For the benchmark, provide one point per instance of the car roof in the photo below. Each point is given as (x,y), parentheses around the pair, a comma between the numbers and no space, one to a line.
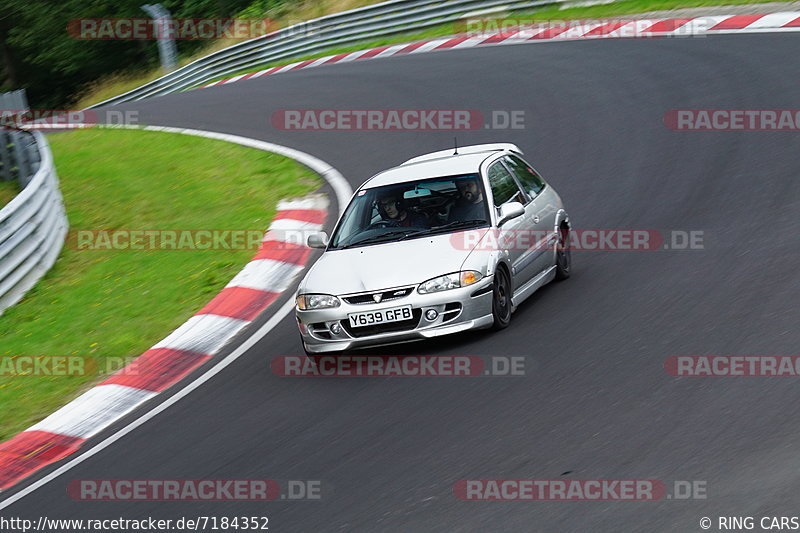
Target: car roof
(441,163)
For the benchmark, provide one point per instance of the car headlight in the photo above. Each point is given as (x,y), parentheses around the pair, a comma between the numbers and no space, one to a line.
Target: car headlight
(450,281)
(316,301)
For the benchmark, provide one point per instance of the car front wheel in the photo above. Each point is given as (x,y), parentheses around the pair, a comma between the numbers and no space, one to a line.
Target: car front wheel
(501,299)
(563,255)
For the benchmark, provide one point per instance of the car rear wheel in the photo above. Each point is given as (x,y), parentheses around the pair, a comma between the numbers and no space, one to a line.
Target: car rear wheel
(501,299)
(563,254)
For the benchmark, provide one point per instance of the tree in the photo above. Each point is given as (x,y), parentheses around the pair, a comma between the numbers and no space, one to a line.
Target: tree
(39,54)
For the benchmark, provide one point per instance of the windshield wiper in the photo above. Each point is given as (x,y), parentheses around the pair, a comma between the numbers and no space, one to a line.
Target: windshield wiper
(414,233)
(376,238)
(457,224)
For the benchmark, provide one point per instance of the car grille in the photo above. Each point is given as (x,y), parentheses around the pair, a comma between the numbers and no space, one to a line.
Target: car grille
(385,296)
(389,327)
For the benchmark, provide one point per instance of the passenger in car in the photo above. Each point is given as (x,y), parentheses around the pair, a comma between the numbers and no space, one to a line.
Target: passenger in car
(470,204)
(393,209)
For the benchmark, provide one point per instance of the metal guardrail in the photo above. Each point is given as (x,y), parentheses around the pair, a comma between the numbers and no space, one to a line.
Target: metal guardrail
(33,225)
(341,29)
(17,158)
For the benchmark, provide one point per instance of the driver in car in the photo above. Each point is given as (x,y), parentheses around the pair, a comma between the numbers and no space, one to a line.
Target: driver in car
(469,205)
(393,209)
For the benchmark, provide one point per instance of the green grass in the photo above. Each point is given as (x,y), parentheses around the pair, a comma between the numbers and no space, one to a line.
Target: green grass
(625,7)
(8,190)
(117,304)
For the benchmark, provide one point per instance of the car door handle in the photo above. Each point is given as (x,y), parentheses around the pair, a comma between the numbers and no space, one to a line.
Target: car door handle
(535,219)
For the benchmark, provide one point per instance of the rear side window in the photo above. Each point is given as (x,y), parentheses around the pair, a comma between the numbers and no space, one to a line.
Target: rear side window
(527,177)
(504,188)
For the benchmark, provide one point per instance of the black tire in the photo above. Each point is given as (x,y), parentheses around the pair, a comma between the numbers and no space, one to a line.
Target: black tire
(563,255)
(501,299)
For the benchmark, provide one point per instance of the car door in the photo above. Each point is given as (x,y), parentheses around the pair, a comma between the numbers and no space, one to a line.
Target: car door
(514,235)
(540,210)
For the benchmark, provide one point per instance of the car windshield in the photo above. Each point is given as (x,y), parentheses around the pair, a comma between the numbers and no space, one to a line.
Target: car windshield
(412,209)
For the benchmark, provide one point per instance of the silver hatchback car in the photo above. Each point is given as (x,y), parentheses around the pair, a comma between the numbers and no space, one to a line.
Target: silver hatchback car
(445,242)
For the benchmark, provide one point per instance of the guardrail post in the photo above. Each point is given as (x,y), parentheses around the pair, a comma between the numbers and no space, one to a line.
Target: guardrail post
(14,144)
(34,156)
(20,159)
(167,50)
(30,154)
(5,156)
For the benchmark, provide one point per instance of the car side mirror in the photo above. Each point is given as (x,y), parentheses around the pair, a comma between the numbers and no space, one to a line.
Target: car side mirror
(318,240)
(509,211)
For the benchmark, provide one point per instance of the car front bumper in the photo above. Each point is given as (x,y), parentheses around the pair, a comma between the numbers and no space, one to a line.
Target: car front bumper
(457,310)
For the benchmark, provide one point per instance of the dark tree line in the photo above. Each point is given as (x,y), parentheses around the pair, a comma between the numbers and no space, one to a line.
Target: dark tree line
(37,52)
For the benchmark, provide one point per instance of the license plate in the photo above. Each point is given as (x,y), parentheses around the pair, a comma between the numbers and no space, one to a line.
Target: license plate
(383,316)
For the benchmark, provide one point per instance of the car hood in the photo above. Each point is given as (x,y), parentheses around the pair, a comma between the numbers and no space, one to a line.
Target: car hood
(383,266)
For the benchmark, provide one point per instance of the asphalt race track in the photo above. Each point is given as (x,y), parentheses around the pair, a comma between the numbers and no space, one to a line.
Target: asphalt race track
(596,401)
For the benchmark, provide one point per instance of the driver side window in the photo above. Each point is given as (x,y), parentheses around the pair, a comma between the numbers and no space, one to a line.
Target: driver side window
(530,181)
(504,187)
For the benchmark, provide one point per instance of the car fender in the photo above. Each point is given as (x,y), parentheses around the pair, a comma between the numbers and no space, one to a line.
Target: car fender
(486,256)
